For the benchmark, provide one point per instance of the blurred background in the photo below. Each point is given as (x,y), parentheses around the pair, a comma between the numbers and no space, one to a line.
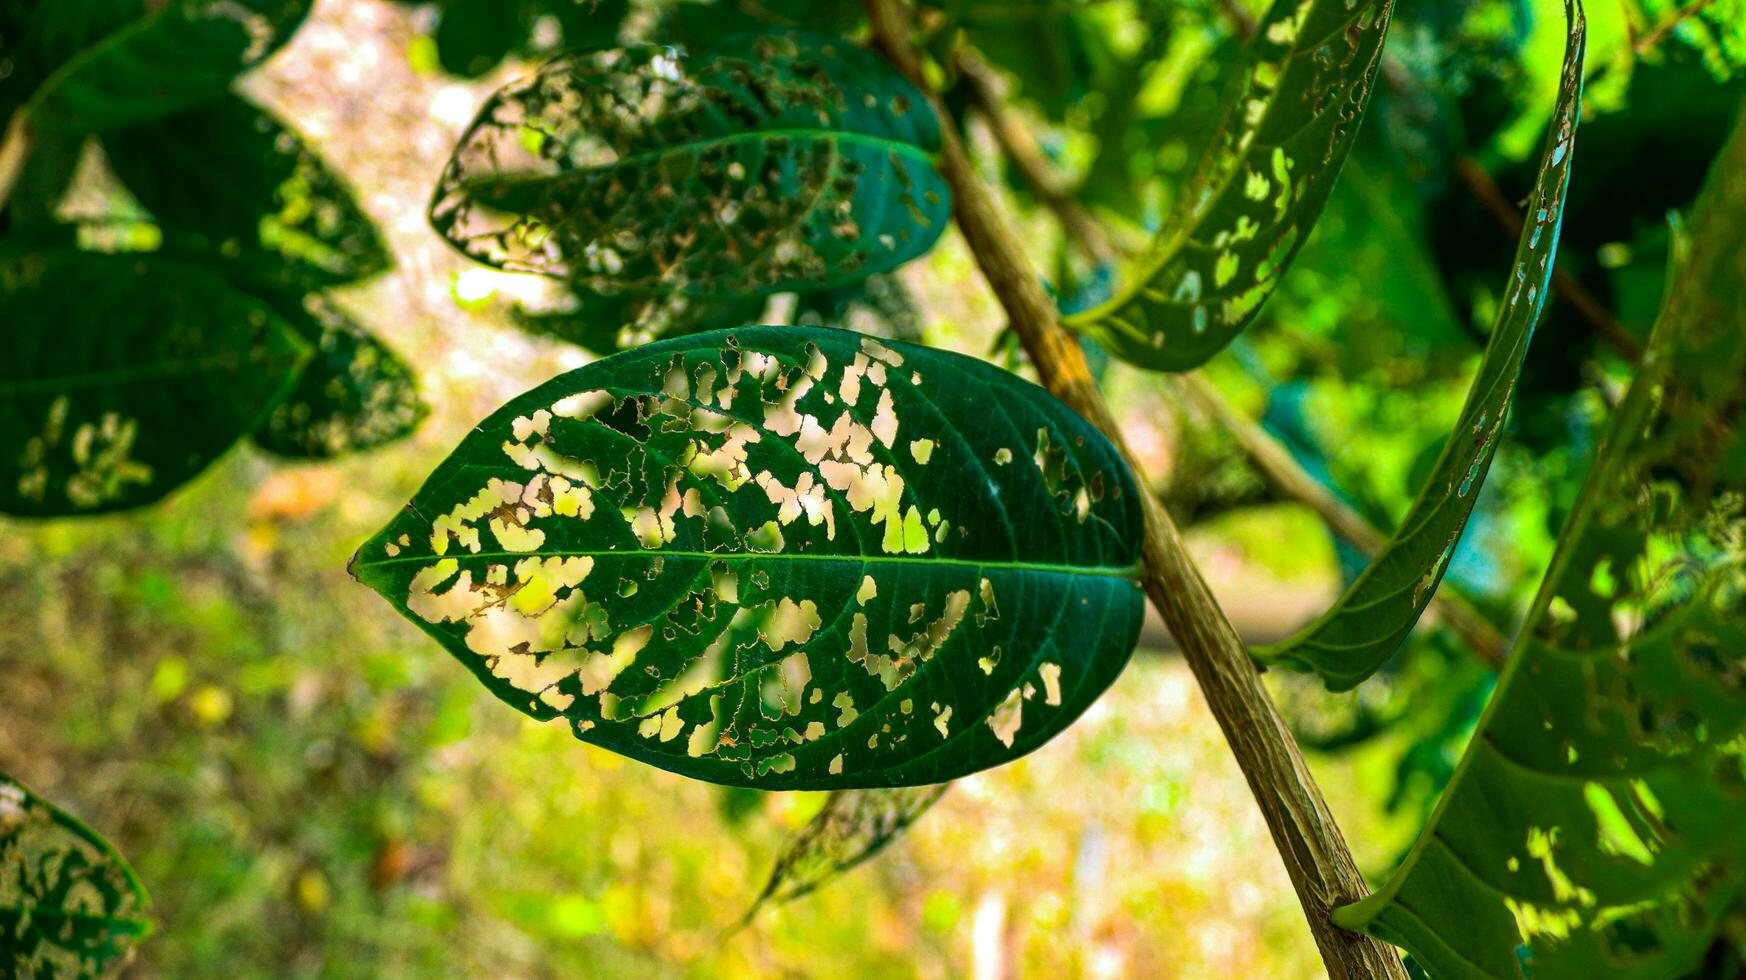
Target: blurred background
(310,787)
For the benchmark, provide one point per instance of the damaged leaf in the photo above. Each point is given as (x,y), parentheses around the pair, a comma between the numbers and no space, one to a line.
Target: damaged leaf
(785,558)
(854,826)
(228,170)
(788,161)
(124,376)
(69,904)
(1593,827)
(1258,191)
(353,394)
(1371,620)
(100,64)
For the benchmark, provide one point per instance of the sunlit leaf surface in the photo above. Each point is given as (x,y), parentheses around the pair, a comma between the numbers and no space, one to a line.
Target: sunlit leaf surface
(99,64)
(781,557)
(69,905)
(1373,617)
(353,394)
(1258,191)
(1594,826)
(123,376)
(854,826)
(231,172)
(778,162)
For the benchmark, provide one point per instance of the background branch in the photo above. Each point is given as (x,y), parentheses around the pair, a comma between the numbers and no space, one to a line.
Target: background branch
(1315,853)
(14,151)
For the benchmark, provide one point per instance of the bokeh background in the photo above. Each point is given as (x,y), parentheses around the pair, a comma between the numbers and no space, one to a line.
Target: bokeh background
(309,787)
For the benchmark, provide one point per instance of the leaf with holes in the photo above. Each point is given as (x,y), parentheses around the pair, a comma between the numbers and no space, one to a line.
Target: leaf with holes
(854,826)
(100,64)
(353,394)
(69,904)
(1369,622)
(124,376)
(1258,191)
(231,172)
(788,161)
(1593,827)
(785,558)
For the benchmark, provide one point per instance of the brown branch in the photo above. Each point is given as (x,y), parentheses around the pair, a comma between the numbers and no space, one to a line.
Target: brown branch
(1019,147)
(1287,478)
(1310,843)
(1509,218)
(14,152)
(1648,41)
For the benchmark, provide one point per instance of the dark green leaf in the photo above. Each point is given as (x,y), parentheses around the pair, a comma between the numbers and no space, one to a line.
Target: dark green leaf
(69,904)
(100,64)
(1373,617)
(354,394)
(781,557)
(124,376)
(231,172)
(789,161)
(854,826)
(1258,191)
(1593,827)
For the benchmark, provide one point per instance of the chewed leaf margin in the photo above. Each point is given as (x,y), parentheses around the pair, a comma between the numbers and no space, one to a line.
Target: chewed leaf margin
(785,558)
(1372,618)
(1258,191)
(758,165)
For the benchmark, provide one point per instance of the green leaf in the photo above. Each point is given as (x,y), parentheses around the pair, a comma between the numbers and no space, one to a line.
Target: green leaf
(781,557)
(854,826)
(69,904)
(1593,827)
(1369,622)
(1258,191)
(789,161)
(124,376)
(472,36)
(353,394)
(108,63)
(230,171)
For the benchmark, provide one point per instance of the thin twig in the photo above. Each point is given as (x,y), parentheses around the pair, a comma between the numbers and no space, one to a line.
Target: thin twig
(1310,843)
(1019,147)
(14,151)
(1648,41)
(1283,473)
(1509,218)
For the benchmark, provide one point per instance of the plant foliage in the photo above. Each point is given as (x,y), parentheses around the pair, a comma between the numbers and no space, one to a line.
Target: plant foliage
(70,906)
(784,558)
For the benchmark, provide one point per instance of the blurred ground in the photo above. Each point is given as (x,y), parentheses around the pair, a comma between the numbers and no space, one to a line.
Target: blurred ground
(310,788)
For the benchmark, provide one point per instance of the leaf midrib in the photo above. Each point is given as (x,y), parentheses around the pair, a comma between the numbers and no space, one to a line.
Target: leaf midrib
(1130,572)
(734,139)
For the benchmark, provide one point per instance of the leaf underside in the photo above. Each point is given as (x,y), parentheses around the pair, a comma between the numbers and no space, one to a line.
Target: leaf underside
(1373,618)
(353,394)
(785,558)
(108,63)
(124,376)
(1258,191)
(69,904)
(787,161)
(854,826)
(1593,827)
(231,172)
